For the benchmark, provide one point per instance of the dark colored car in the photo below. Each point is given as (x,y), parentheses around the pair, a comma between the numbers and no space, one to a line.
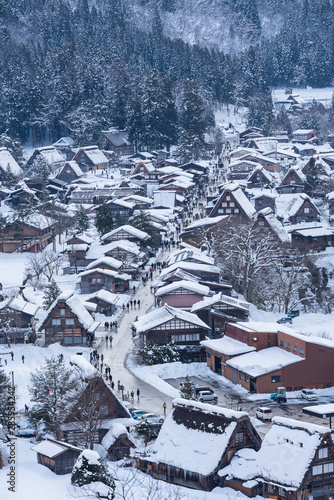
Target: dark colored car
(283,321)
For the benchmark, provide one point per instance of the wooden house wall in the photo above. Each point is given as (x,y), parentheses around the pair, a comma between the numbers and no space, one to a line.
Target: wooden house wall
(63,333)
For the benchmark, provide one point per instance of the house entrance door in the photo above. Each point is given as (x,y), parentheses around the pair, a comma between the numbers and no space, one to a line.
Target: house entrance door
(234,376)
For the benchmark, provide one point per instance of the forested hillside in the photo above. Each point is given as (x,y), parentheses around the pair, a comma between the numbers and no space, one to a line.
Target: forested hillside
(76,67)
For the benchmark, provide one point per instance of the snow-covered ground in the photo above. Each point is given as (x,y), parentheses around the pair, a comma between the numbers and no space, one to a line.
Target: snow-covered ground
(323,95)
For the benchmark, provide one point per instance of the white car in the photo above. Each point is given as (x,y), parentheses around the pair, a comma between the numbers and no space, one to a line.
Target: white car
(264,413)
(309,395)
(207,396)
(152,417)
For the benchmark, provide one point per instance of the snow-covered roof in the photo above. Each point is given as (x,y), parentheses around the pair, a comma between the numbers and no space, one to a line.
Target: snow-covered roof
(38,221)
(82,237)
(116,430)
(321,409)
(164,198)
(191,448)
(121,203)
(107,261)
(6,160)
(116,299)
(275,224)
(185,254)
(95,155)
(315,231)
(303,131)
(74,166)
(265,361)
(263,326)
(137,198)
(53,448)
(206,221)
(228,346)
(133,231)
(187,285)
(19,304)
(191,267)
(50,154)
(220,298)
(164,314)
(264,172)
(288,205)
(285,455)
(125,245)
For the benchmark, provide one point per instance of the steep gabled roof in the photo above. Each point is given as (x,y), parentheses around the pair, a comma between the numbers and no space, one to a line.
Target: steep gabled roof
(133,231)
(164,314)
(195,436)
(191,286)
(290,438)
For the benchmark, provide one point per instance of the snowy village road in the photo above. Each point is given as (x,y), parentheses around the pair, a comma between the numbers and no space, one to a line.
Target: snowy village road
(115,356)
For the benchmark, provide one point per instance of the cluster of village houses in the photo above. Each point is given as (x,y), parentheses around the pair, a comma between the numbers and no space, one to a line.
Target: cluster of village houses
(261,180)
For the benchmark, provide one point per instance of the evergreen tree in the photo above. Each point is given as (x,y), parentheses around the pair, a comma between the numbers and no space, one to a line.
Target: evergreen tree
(81,219)
(191,142)
(52,291)
(4,394)
(8,178)
(104,221)
(53,392)
(141,221)
(188,389)
(312,177)
(91,468)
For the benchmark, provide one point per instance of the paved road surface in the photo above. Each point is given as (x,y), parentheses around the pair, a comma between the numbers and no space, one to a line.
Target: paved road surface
(115,356)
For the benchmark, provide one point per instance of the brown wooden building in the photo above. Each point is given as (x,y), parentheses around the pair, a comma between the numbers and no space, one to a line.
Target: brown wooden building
(195,442)
(57,456)
(68,322)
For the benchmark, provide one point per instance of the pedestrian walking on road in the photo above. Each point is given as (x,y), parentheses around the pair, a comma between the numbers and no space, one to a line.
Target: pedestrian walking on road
(134,303)
(164,407)
(138,394)
(102,358)
(12,356)
(112,385)
(132,396)
(138,302)
(110,338)
(131,302)
(123,307)
(128,305)
(23,359)
(134,289)
(106,338)
(116,325)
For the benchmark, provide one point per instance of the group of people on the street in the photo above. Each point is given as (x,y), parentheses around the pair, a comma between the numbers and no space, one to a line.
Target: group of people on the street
(110,325)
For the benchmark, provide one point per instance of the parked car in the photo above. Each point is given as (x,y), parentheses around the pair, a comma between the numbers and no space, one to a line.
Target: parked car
(264,413)
(283,321)
(309,394)
(138,413)
(293,314)
(152,417)
(199,389)
(207,396)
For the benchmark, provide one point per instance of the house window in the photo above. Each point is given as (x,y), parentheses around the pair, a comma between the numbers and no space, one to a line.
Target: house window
(281,343)
(301,350)
(104,409)
(67,340)
(316,470)
(328,468)
(281,492)
(77,340)
(241,376)
(224,204)
(69,321)
(236,210)
(228,210)
(228,198)
(56,321)
(261,223)
(246,378)
(62,312)
(270,488)
(294,348)
(239,438)
(208,354)
(287,345)
(275,379)
(232,204)
(306,210)
(323,453)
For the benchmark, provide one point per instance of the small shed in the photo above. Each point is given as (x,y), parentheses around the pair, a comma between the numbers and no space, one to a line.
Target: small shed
(57,456)
(117,442)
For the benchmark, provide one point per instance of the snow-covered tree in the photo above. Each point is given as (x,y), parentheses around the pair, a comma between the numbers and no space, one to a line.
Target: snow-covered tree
(187,390)
(245,253)
(4,387)
(153,354)
(52,291)
(53,390)
(91,468)
(104,221)
(81,219)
